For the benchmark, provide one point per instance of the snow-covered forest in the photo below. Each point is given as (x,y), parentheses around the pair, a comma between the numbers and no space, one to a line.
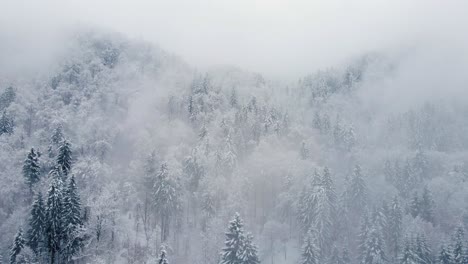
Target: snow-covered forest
(114,150)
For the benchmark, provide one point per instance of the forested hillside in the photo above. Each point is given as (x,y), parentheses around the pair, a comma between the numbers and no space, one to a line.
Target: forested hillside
(117,151)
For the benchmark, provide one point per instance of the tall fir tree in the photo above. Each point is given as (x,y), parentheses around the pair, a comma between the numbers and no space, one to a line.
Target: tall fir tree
(163,256)
(409,256)
(54,217)
(72,220)
(426,207)
(64,157)
(32,169)
(248,251)
(18,245)
(458,249)
(357,192)
(6,124)
(234,240)
(423,250)
(37,225)
(166,199)
(394,230)
(444,256)
(309,253)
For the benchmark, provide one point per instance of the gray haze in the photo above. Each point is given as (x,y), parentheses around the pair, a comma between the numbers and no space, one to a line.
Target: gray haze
(285,39)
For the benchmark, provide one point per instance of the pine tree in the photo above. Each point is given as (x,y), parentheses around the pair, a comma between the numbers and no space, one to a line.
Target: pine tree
(37,225)
(309,253)
(357,192)
(374,248)
(426,205)
(162,256)
(304,151)
(64,157)
(444,256)
(395,227)
(6,124)
(422,250)
(335,257)
(32,169)
(346,259)
(72,220)
(166,199)
(18,245)
(409,256)
(7,97)
(234,240)
(248,251)
(458,247)
(54,218)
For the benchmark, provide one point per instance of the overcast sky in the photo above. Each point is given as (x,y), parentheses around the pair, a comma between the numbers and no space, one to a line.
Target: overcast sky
(275,37)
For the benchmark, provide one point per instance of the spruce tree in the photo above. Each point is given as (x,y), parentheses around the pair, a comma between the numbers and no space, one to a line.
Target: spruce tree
(309,253)
(422,249)
(162,256)
(414,206)
(458,247)
(409,256)
(72,220)
(234,242)
(427,204)
(18,245)
(32,169)
(166,199)
(64,157)
(248,251)
(54,217)
(37,225)
(444,256)
(6,124)
(357,191)
(395,227)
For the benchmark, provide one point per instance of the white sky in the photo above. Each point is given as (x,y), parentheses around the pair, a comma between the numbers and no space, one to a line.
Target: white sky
(287,38)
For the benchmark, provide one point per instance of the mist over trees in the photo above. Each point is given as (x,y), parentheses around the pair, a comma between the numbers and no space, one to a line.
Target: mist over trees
(122,153)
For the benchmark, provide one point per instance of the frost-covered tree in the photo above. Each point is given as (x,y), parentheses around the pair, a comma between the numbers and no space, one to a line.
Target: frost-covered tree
(444,256)
(18,245)
(7,124)
(32,169)
(231,253)
(458,249)
(166,199)
(309,254)
(422,249)
(35,236)
(7,97)
(394,227)
(248,253)
(163,256)
(54,218)
(409,256)
(356,192)
(72,220)
(64,157)
(426,206)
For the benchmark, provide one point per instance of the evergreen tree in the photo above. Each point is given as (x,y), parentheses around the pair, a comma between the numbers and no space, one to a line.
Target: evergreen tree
(335,257)
(394,227)
(7,97)
(72,220)
(414,206)
(458,247)
(162,256)
(444,256)
(37,224)
(309,253)
(422,250)
(234,240)
(357,192)
(54,217)
(6,124)
(248,251)
(18,245)
(64,157)
(32,169)
(426,206)
(166,199)
(374,248)
(409,256)
(304,152)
